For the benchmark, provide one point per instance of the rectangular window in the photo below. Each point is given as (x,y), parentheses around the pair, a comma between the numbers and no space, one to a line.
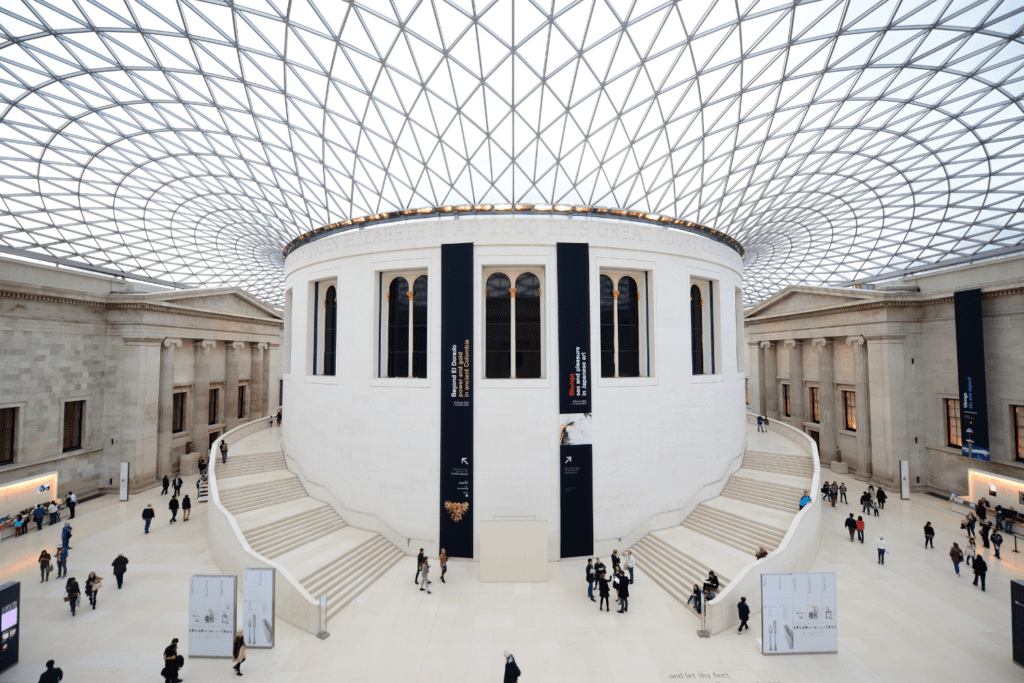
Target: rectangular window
(953,423)
(74,411)
(402,326)
(850,401)
(323,340)
(1018,431)
(178,413)
(746,387)
(280,392)
(785,400)
(8,423)
(214,395)
(815,405)
(624,316)
(705,327)
(241,402)
(513,323)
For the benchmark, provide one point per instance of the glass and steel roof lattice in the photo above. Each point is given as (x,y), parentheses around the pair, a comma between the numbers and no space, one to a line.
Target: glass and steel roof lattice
(187,141)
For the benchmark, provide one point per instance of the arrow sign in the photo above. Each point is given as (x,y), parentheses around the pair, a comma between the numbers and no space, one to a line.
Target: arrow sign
(465,461)
(568,459)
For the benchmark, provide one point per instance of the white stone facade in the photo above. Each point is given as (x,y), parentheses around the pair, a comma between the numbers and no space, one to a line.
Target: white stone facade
(69,336)
(374,441)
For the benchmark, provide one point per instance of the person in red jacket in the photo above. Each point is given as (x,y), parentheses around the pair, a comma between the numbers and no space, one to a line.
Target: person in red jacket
(860,529)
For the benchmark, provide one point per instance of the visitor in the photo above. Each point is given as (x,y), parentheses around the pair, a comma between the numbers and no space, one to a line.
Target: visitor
(173,507)
(171,663)
(512,672)
(72,501)
(1009,517)
(71,593)
(860,529)
(997,540)
(630,564)
(615,560)
(709,594)
(54,511)
(623,593)
(603,592)
(999,517)
(443,561)
(957,556)
(865,501)
(44,566)
(971,521)
(851,526)
(842,493)
(695,598)
(766,423)
(166,484)
(929,535)
(19,525)
(804,500)
(62,561)
(761,553)
(425,581)
(599,567)
(615,582)
(120,565)
(38,514)
(744,610)
(711,581)
(52,674)
(986,529)
(972,551)
(981,508)
(65,536)
(875,508)
(238,653)
(177,485)
(148,513)
(826,488)
(224,451)
(980,569)
(92,588)
(880,544)
(590,579)
(186,508)
(833,494)
(202,466)
(279,418)
(419,567)
(760,424)
(880,497)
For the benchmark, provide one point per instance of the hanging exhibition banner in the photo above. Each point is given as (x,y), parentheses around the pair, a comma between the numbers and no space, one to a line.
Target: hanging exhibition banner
(799,613)
(211,615)
(574,404)
(457,399)
(258,606)
(970,363)
(10,624)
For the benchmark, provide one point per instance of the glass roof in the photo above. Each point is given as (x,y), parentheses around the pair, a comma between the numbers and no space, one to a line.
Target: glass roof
(187,142)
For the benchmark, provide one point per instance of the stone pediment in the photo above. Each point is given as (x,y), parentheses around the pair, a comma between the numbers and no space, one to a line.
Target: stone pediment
(228,300)
(800,299)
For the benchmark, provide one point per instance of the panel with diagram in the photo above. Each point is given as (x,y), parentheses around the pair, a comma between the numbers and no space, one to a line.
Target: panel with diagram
(798,613)
(211,615)
(258,607)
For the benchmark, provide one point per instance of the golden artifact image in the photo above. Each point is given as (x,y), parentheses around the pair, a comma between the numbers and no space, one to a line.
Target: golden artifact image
(456,510)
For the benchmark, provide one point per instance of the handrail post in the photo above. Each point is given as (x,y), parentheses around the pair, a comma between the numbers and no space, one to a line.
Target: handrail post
(323,634)
(703,630)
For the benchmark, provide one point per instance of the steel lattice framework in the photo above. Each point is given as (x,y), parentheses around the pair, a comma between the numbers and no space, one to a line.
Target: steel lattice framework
(187,142)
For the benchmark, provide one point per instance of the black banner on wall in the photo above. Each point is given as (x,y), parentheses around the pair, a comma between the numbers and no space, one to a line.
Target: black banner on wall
(457,399)
(970,362)
(575,450)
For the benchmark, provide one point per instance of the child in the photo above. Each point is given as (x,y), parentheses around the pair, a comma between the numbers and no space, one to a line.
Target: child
(875,508)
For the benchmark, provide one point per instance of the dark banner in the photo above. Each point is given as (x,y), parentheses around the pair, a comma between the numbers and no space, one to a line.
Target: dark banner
(575,450)
(457,399)
(970,362)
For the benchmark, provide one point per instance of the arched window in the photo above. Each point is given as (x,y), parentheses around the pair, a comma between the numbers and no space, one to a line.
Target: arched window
(628,305)
(498,321)
(419,327)
(527,328)
(697,330)
(398,328)
(607,327)
(330,330)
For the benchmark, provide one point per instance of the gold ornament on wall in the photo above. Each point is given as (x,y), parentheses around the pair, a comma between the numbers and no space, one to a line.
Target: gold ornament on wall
(456,510)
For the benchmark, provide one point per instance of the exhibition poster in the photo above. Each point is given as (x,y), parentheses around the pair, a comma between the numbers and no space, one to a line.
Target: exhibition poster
(799,613)
(258,607)
(211,610)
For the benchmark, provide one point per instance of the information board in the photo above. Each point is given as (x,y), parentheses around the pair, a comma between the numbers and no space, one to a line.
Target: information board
(211,609)
(10,610)
(258,607)
(799,613)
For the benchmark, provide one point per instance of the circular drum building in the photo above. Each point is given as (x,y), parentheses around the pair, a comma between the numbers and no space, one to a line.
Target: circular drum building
(578,366)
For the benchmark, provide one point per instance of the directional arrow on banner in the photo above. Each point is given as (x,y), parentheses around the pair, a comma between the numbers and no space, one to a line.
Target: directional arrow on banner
(568,459)
(465,462)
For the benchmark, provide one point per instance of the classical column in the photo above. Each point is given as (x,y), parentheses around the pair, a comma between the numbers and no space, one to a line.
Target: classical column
(257,381)
(512,333)
(201,394)
(163,454)
(270,379)
(887,389)
(231,384)
(140,409)
(826,399)
(771,379)
(755,358)
(863,403)
(796,382)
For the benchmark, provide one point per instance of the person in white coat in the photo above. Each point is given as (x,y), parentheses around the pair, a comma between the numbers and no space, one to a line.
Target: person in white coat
(880,544)
(630,564)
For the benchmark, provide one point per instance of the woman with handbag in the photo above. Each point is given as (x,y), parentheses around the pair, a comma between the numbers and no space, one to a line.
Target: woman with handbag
(443,560)
(957,556)
(73,594)
(44,566)
(238,653)
(92,587)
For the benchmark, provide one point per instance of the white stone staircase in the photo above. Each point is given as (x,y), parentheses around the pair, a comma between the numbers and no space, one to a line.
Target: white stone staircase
(755,510)
(281,522)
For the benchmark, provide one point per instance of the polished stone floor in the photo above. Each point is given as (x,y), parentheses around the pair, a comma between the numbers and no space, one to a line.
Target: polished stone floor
(911,620)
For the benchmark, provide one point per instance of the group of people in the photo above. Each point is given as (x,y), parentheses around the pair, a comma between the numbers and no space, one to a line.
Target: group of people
(23,521)
(762,423)
(423,569)
(705,593)
(619,582)
(72,591)
(990,537)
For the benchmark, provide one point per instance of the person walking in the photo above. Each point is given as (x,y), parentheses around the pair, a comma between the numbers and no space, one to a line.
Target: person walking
(1009,517)
(92,588)
(997,540)
(957,556)
(929,535)
(851,526)
(980,569)
(202,466)
(695,598)
(986,529)
(72,593)
(120,565)
(72,501)
(603,592)
(419,566)
(44,566)
(52,674)
(860,529)
(62,561)
(972,551)
(148,513)
(166,484)
(238,653)
(173,507)
(833,494)
(279,418)
(54,511)
(171,663)
(842,493)
(65,536)
(177,485)
(880,544)
(875,508)
(512,672)
(765,423)
(880,497)
(590,579)
(425,586)
(744,610)
(865,503)
(760,424)
(826,489)
(186,507)
(443,561)
(224,452)
(630,564)
(623,593)
(19,526)
(38,515)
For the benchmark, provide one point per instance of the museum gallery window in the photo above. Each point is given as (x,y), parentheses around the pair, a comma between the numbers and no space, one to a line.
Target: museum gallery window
(624,340)
(953,423)
(850,402)
(241,402)
(74,413)
(696,330)
(403,325)
(746,389)
(704,326)
(815,405)
(325,327)
(1018,431)
(785,400)
(214,395)
(178,413)
(8,423)
(512,326)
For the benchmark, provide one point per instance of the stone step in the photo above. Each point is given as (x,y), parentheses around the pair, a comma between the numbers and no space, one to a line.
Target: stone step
(280,545)
(376,568)
(287,526)
(320,580)
(257,489)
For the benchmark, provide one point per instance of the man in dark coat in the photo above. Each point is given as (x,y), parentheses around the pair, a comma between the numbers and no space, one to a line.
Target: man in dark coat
(166,483)
(744,610)
(120,565)
(148,513)
(623,592)
(223,451)
(980,567)
(986,529)
(177,485)
(512,671)
(929,535)
(171,666)
(851,526)
(173,507)
(52,674)
(590,579)
(880,497)
(419,566)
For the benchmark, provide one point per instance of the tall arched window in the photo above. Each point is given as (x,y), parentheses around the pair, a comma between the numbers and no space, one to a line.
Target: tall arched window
(607,327)
(628,305)
(498,322)
(398,328)
(330,330)
(419,327)
(527,327)
(697,330)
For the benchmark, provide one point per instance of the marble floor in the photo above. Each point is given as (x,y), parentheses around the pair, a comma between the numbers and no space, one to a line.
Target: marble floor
(911,620)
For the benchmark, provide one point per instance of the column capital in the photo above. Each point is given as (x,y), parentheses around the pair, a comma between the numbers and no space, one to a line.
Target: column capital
(262,346)
(790,343)
(766,344)
(821,341)
(168,342)
(236,345)
(205,344)
(859,340)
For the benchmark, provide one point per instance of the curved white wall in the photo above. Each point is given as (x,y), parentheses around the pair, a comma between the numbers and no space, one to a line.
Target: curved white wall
(374,442)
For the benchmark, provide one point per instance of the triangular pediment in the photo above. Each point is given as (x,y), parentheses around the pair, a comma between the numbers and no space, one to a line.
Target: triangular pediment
(801,299)
(230,301)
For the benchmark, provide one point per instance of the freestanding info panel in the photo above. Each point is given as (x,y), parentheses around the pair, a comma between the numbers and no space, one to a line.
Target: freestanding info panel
(799,613)
(10,624)
(211,615)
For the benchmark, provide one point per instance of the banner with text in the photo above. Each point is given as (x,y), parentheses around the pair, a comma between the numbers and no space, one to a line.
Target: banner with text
(457,399)
(575,445)
(970,361)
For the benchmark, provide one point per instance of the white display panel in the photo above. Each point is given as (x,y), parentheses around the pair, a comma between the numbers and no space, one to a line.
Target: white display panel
(211,610)
(799,613)
(258,607)
(124,481)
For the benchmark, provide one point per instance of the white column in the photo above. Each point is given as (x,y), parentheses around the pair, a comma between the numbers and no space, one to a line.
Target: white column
(827,399)
(771,379)
(231,384)
(862,464)
(756,361)
(887,389)
(163,455)
(796,382)
(201,395)
(615,329)
(410,294)
(512,333)
(257,381)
